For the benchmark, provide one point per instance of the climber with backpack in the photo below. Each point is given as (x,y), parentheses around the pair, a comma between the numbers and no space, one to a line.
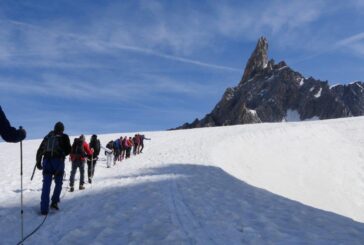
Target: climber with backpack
(136,143)
(142,138)
(117,150)
(53,149)
(128,145)
(91,161)
(80,149)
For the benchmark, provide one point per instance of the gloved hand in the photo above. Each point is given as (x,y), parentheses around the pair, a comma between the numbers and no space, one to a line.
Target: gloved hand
(22,133)
(39,166)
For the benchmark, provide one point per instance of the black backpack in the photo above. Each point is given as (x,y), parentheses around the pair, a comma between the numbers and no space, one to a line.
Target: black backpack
(77,149)
(95,144)
(110,145)
(52,145)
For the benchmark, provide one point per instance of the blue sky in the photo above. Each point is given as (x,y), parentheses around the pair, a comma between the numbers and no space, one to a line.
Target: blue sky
(120,66)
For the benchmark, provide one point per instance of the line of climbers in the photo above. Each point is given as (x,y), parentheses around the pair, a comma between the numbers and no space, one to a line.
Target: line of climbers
(121,148)
(56,146)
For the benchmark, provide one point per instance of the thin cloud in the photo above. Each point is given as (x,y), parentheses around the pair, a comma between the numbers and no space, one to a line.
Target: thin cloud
(273,18)
(165,31)
(351,39)
(354,43)
(122,91)
(99,46)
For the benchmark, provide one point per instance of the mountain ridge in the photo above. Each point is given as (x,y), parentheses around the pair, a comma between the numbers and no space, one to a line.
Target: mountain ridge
(269,92)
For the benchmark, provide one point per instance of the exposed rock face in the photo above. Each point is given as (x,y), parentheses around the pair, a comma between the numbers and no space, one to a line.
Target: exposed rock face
(258,60)
(269,92)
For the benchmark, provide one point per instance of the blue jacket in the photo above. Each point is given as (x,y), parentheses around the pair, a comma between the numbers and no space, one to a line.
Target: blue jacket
(7,132)
(117,145)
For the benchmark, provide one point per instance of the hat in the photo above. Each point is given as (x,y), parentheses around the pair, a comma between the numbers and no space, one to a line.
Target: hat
(59,127)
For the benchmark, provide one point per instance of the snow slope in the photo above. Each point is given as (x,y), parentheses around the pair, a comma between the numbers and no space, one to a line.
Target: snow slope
(280,183)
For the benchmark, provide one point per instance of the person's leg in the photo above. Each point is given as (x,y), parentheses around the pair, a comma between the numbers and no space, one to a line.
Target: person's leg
(44,203)
(115,157)
(93,168)
(122,155)
(73,173)
(82,173)
(89,169)
(58,179)
(108,159)
(46,188)
(128,152)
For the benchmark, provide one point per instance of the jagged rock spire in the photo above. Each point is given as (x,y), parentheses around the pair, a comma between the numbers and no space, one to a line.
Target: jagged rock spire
(258,59)
(277,93)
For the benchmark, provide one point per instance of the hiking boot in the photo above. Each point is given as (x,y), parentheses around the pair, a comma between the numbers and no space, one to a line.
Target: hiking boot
(82,187)
(89,180)
(72,189)
(44,212)
(54,205)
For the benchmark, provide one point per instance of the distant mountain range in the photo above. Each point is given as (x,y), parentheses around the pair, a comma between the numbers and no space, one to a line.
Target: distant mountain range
(270,92)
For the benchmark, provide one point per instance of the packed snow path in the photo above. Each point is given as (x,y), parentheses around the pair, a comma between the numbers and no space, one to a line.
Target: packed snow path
(283,183)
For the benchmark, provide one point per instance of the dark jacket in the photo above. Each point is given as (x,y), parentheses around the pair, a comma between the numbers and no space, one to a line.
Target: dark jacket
(64,143)
(96,145)
(7,132)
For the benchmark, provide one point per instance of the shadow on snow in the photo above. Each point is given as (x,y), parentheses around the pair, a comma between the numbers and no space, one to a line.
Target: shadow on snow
(182,204)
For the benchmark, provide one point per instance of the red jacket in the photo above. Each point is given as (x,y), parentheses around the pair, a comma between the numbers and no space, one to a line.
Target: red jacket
(87,150)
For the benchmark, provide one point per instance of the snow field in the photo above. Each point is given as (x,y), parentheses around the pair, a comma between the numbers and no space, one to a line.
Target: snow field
(282,183)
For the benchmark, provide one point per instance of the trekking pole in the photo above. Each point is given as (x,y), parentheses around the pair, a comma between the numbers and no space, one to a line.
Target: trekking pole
(35,166)
(92,169)
(21,191)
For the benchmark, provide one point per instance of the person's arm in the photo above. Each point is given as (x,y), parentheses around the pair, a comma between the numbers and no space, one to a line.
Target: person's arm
(39,155)
(9,133)
(106,149)
(87,149)
(67,145)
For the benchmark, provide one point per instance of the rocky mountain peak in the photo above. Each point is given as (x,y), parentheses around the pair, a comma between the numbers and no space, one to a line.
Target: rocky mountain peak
(258,60)
(270,92)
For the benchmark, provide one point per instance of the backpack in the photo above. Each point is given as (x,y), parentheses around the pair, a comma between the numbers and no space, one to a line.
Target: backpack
(52,145)
(96,146)
(110,145)
(124,143)
(77,150)
(116,144)
(129,143)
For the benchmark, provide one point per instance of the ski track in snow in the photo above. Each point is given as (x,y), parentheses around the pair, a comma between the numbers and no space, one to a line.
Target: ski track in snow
(291,183)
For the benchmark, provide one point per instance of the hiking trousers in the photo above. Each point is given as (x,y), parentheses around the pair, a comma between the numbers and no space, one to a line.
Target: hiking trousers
(81,165)
(51,167)
(108,159)
(91,168)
